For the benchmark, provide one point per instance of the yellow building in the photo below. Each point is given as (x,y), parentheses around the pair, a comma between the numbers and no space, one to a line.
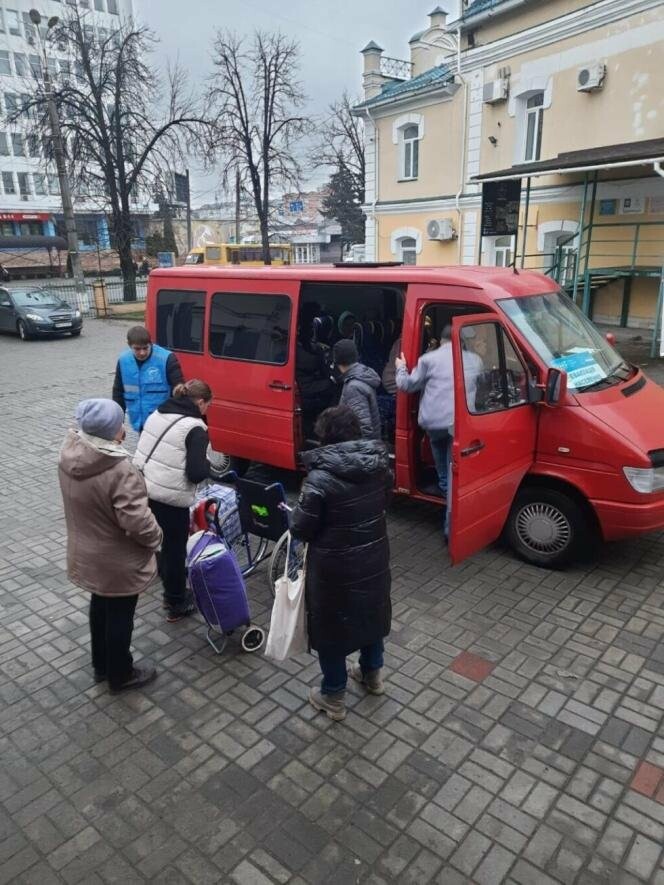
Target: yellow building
(565,97)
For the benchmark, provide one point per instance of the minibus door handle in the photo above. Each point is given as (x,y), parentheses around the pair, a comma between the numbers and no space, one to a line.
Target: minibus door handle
(279,385)
(476,446)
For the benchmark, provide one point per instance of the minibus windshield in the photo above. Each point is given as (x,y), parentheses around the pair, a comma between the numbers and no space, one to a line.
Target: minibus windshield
(566,339)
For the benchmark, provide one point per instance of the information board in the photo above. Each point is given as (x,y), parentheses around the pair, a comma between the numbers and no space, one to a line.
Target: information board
(500,208)
(166,259)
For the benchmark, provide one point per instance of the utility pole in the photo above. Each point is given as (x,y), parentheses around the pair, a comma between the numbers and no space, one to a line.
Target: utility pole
(188,212)
(60,162)
(237,206)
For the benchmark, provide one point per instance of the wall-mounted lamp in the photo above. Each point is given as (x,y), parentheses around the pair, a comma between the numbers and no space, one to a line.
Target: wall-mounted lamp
(493,140)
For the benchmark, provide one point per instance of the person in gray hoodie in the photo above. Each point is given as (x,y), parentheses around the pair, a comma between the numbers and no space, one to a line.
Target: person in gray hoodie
(359,386)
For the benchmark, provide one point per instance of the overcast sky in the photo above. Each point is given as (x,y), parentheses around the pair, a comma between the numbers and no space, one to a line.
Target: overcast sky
(331,35)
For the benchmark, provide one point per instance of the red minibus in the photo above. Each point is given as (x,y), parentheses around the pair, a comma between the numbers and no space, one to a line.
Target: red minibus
(560,444)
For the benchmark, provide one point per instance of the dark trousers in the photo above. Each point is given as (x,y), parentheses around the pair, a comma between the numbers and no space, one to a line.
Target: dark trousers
(333,666)
(441,449)
(111,626)
(174,523)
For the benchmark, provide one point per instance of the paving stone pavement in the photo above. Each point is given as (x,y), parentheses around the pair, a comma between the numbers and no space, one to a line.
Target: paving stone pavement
(520,739)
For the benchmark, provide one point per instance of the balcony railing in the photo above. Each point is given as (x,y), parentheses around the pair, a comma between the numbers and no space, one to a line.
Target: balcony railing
(396,68)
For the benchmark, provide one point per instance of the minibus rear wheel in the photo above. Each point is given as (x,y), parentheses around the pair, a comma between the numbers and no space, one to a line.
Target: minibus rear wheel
(545,527)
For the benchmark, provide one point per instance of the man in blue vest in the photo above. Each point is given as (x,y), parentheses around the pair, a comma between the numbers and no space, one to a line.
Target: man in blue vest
(144,377)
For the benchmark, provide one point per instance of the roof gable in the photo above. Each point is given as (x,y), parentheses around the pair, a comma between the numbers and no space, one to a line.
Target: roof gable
(395,90)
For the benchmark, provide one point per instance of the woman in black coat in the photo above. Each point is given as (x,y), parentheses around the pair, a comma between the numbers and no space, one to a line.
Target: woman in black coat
(341,513)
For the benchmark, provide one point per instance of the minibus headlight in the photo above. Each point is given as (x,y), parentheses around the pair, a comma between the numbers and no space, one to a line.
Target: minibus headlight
(645,479)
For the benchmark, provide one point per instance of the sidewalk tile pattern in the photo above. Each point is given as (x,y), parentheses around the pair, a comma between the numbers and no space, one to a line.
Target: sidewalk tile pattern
(520,739)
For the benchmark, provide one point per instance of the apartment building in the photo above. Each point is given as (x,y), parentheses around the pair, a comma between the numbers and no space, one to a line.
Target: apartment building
(30,203)
(554,113)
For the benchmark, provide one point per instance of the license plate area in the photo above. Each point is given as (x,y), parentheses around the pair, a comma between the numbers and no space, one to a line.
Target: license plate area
(62,325)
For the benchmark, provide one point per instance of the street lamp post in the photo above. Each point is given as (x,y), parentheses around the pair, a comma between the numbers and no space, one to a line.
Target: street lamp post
(60,162)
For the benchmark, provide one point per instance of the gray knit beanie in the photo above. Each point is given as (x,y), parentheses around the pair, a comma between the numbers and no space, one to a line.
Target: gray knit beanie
(100,417)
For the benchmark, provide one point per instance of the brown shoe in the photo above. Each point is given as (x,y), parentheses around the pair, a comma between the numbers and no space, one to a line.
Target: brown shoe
(371,680)
(140,677)
(331,704)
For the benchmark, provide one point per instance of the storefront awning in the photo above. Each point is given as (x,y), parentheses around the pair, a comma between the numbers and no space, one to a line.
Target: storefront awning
(33,242)
(637,153)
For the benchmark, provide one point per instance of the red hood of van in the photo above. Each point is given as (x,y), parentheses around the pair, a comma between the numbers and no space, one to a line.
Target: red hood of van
(638,417)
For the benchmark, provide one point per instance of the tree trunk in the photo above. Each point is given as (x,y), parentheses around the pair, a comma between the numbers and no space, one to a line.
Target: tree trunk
(265,240)
(127,266)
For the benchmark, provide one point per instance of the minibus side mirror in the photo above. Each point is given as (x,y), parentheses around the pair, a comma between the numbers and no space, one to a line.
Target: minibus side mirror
(555,388)
(611,338)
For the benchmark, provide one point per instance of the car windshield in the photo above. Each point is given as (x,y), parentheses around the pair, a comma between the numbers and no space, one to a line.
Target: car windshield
(36,298)
(566,339)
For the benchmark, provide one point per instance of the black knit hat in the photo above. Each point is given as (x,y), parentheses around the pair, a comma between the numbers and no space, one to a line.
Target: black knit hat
(345,353)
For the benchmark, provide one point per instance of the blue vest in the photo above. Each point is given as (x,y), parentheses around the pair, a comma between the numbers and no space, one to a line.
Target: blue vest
(145,384)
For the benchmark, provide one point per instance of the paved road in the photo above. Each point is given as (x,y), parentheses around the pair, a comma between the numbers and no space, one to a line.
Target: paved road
(520,739)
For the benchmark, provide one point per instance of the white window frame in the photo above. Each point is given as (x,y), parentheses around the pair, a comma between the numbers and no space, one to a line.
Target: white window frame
(408,246)
(15,28)
(405,233)
(503,251)
(533,114)
(14,190)
(491,250)
(307,253)
(409,154)
(523,88)
(40,184)
(399,128)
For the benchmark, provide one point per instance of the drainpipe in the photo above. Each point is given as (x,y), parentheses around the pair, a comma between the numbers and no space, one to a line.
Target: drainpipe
(375,198)
(457,198)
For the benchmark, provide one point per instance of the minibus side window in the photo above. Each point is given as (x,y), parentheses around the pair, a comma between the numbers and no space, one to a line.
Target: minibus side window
(250,327)
(180,318)
(494,375)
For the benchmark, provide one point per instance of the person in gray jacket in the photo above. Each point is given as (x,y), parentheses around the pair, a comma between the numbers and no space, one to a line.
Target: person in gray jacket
(359,386)
(433,378)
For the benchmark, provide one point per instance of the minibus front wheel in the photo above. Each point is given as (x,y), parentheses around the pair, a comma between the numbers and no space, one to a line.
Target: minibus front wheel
(546,527)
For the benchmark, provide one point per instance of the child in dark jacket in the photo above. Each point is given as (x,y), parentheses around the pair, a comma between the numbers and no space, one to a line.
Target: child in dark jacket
(359,386)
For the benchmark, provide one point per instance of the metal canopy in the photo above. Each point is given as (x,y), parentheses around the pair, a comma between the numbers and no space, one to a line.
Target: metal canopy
(637,153)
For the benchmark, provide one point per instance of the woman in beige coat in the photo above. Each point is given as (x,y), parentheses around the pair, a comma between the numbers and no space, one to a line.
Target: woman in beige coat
(112,537)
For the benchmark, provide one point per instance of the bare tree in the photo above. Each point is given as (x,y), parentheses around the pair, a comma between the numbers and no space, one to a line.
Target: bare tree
(123,129)
(340,143)
(256,96)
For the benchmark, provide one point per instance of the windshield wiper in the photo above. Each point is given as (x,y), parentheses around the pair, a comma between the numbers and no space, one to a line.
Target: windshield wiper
(612,378)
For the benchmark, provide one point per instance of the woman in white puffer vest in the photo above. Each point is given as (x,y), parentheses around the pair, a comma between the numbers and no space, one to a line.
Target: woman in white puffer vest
(172,456)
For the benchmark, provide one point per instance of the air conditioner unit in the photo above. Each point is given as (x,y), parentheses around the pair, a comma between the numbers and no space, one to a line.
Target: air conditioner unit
(440,229)
(590,78)
(496,91)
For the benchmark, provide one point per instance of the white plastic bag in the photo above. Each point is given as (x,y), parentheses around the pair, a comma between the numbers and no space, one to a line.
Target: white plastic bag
(288,627)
